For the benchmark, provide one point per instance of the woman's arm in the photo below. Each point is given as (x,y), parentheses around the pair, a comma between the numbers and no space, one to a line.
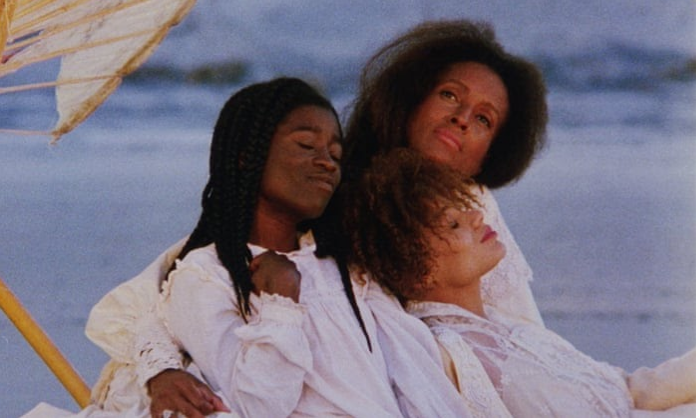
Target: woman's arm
(258,366)
(160,369)
(144,356)
(665,386)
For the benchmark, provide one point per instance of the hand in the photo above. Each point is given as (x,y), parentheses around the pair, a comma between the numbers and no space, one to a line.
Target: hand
(179,391)
(275,274)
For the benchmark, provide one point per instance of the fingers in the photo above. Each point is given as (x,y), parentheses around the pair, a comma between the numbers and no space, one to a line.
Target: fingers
(179,391)
(213,402)
(182,408)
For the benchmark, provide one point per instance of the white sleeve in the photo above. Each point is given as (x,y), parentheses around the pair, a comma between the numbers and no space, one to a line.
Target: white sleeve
(507,287)
(259,366)
(155,349)
(124,325)
(113,322)
(667,385)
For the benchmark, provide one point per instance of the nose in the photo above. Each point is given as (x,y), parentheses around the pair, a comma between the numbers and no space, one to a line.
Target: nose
(460,116)
(323,159)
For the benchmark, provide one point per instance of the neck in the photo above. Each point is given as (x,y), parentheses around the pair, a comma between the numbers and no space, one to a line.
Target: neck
(274,233)
(466,297)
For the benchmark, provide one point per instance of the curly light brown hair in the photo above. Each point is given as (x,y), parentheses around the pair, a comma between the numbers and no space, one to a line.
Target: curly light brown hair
(392,205)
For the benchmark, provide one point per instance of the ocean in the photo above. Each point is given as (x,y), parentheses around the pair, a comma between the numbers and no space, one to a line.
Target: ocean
(605,216)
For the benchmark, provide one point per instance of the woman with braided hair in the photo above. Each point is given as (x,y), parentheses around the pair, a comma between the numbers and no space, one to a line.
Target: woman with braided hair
(272,327)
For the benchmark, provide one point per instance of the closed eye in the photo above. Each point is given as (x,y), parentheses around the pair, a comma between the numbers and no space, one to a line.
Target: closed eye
(336,151)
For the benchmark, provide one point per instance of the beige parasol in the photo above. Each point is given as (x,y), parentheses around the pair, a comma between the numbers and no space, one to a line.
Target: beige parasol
(97,42)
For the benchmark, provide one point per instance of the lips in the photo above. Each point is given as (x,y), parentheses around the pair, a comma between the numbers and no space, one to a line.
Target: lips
(489,234)
(449,138)
(324,182)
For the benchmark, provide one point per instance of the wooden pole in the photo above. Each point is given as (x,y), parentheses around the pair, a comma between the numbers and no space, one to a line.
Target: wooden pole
(44,347)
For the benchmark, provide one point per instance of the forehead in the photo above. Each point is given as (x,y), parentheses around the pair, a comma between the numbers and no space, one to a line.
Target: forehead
(311,118)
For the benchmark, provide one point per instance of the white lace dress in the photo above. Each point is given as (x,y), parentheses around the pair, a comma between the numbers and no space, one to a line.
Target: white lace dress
(536,372)
(507,286)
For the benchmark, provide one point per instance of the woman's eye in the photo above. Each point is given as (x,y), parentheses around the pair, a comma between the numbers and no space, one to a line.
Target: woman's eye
(305,146)
(448,95)
(336,152)
(454,224)
(483,119)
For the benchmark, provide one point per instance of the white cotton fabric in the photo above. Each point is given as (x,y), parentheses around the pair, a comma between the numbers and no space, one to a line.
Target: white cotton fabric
(535,371)
(415,366)
(291,359)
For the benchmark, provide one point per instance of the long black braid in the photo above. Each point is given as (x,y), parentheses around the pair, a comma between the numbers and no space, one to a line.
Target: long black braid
(238,154)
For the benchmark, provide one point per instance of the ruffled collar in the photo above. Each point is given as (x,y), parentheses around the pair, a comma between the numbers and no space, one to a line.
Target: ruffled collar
(424,309)
(306,241)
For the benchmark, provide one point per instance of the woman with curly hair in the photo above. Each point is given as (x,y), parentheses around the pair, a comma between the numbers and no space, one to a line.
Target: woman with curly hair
(450,91)
(439,247)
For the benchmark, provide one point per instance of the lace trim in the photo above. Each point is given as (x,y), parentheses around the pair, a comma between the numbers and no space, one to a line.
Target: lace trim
(155,349)
(277,308)
(515,355)
(474,385)
(513,271)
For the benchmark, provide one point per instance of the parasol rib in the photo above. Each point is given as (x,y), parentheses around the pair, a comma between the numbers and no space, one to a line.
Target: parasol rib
(7,8)
(98,42)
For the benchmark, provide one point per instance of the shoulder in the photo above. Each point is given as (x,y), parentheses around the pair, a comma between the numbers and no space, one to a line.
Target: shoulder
(202,255)
(201,264)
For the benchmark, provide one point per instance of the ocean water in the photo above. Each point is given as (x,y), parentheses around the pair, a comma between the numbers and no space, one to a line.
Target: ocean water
(605,216)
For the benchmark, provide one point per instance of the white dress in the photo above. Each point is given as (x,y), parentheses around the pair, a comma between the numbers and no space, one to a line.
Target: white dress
(291,359)
(536,372)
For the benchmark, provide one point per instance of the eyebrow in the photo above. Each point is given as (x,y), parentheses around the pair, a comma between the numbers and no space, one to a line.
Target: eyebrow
(465,87)
(336,137)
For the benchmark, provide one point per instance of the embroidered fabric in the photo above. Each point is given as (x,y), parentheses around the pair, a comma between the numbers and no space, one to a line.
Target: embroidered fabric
(536,373)
(412,358)
(471,379)
(154,350)
(507,286)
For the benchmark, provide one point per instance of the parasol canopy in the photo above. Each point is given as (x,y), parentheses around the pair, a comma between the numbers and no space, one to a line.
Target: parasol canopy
(98,42)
